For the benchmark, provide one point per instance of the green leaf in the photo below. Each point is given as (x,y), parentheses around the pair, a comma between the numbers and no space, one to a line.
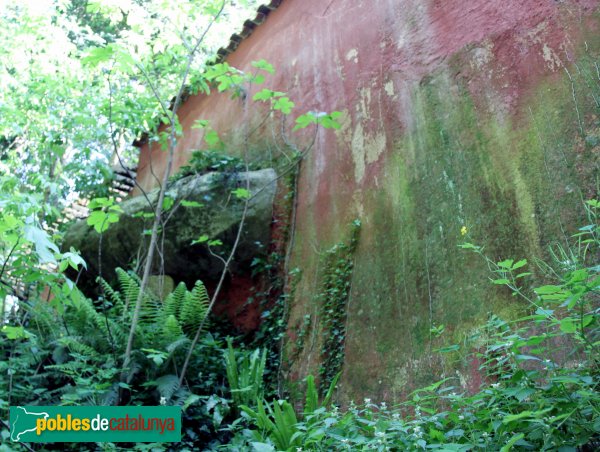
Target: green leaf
(185,203)
(101,220)
(284,105)
(15,332)
(329,121)
(511,442)
(167,203)
(258,79)
(519,264)
(469,246)
(200,124)
(98,203)
(262,64)
(304,121)
(587,319)
(436,435)
(74,259)
(98,55)
(190,400)
(44,248)
(212,138)
(507,264)
(264,95)
(202,239)
(449,349)
(241,193)
(545,290)
(569,325)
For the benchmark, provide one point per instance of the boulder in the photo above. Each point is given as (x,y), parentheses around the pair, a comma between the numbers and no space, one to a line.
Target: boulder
(125,243)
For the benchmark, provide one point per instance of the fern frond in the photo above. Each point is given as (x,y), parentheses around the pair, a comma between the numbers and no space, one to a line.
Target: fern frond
(112,295)
(130,286)
(171,329)
(167,385)
(97,329)
(177,344)
(194,309)
(75,345)
(174,301)
(72,368)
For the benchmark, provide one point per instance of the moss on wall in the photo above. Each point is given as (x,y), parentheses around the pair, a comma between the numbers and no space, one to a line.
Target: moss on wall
(515,182)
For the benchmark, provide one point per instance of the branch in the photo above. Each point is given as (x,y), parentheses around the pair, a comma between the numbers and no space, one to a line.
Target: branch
(157,217)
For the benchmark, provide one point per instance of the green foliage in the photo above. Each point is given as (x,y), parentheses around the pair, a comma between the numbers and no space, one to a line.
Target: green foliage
(194,309)
(302,333)
(245,374)
(327,121)
(104,212)
(278,425)
(333,298)
(73,356)
(540,377)
(182,311)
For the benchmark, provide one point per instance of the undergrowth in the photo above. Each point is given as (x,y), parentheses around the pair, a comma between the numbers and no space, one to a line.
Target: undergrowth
(539,372)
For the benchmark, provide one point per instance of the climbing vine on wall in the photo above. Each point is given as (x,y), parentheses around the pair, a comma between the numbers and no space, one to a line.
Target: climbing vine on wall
(333,297)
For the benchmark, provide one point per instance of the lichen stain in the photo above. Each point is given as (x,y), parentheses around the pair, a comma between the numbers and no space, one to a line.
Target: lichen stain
(389,88)
(553,61)
(358,152)
(482,55)
(374,146)
(352,55)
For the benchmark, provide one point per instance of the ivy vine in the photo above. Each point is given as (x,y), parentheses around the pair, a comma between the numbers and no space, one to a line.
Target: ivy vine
(333,297)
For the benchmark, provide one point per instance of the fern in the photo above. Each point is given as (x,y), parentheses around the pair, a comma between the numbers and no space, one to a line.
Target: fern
(177,344)
(171,328)
(75,344)
(130,285)
(112,295)
(100,331)
(167,385)
(174,300)
(194,309)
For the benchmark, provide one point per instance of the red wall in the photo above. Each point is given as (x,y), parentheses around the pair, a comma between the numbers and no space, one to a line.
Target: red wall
(378,61)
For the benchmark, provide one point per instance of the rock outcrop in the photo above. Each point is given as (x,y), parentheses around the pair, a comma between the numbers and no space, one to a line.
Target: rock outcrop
(216,213)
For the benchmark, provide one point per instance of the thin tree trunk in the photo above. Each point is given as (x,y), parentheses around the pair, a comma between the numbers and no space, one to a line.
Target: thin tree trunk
(159,206)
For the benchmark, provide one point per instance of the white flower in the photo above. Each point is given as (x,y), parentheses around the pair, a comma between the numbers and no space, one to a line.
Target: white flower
(163,400)
(367,401)
(495,385)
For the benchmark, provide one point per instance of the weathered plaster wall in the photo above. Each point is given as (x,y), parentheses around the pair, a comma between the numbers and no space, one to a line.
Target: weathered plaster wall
(480,113)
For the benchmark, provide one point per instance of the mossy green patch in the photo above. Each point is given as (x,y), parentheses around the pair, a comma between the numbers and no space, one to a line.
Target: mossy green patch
(511,183)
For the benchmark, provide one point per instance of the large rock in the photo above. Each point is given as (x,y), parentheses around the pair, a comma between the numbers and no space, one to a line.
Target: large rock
(218,217)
